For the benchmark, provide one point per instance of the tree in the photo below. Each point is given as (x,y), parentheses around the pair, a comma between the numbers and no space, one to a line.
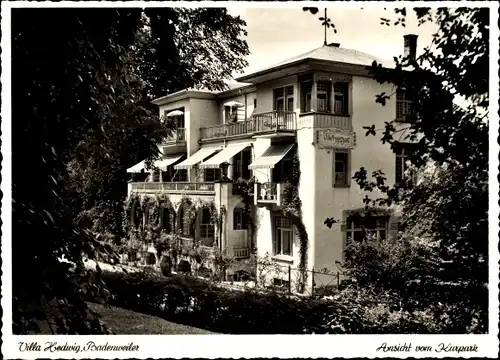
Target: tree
(448,83)
(81,114)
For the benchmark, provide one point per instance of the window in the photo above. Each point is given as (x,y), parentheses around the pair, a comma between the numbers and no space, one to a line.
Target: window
(283,236)
(403,105)
(180,176)
(325,97)
(137,220)
(282,171)
(306,96)
(177,119)
(212,175)
(357,227)
(324,90)
(254,104)
(206,228)
(241,161)
(186,229)
(240,220)
(283,98)
(340,105)
(166,220)
(231,114)
(403,151)
(341,169)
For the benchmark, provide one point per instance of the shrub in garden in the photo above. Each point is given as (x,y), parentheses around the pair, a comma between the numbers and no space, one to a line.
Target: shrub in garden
(197,302)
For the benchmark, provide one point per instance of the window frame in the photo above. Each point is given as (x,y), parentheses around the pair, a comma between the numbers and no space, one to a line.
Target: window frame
(206,223)
(285,96)
(329,89)
(345,97)
(239,214)
(404,105)
(170,224)
(402,152)
(347,169)
(278,232)
(185,226)
(215,175)
(361,228)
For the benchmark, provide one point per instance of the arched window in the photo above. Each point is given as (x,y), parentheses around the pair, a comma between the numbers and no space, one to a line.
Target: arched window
(184,222)
(136,219)
(166,220)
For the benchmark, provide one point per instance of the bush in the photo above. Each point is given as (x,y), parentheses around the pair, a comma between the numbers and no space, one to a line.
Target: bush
(199,303)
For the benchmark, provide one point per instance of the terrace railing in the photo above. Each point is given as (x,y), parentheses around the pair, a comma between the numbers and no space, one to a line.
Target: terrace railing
(173,186)
(272,121)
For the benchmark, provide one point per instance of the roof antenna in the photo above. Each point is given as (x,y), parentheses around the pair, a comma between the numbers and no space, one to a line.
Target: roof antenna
(325,24)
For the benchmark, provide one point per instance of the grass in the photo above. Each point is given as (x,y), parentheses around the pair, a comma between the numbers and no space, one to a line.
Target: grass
(125,322)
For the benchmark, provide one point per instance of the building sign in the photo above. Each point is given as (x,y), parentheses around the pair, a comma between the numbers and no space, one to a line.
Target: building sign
(335,139)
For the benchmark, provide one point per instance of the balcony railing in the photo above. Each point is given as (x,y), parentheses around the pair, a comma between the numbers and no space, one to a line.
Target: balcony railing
(325,121)
(268,193)
(241,252)
(178,135)
(273,121)
(174,187)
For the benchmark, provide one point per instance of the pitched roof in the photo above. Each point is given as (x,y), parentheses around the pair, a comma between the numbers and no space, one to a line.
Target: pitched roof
(328,53)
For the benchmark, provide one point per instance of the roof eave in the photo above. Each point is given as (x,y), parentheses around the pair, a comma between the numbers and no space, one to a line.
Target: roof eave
(250,77)
(183,94)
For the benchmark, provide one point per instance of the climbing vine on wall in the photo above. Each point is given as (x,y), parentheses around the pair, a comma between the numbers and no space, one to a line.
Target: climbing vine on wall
(245,189)
(292,208)
(135,201)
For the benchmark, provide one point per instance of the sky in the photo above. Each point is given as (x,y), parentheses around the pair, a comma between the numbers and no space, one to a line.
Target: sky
(275,34)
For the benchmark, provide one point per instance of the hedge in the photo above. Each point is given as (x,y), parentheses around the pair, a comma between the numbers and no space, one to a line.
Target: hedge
(198,303)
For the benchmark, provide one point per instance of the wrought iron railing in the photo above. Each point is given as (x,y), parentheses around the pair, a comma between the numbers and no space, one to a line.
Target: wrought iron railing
(241,252)
(267,191)
(258,123)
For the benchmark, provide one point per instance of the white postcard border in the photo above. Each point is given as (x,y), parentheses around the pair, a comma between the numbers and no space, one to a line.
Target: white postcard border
(215,346)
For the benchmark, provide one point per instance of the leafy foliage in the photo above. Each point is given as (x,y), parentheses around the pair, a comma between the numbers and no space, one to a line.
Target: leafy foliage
(82,103)
(448,84)
(292,207)
(454,139)
(202,304)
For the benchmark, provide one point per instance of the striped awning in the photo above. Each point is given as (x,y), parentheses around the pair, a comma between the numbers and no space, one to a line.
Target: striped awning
(137,168)
(197,157)
(167,161)
(227,153)
(271,157)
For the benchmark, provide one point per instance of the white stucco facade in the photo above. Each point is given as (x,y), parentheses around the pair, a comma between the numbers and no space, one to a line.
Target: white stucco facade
(321,198)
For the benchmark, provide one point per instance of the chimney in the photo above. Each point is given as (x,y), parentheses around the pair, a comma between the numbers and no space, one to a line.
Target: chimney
(334,45)
(410,47)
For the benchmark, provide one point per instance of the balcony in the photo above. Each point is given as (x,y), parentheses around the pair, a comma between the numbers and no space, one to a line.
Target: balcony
(175,142)
(268,193)
(265,123)
(241,252)
(173,187)
(325,121)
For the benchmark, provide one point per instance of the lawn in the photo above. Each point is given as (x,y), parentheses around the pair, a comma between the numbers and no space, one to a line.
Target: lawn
(125,322)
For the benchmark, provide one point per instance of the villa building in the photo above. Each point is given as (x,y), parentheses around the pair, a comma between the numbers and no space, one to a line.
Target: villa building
(306,112)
